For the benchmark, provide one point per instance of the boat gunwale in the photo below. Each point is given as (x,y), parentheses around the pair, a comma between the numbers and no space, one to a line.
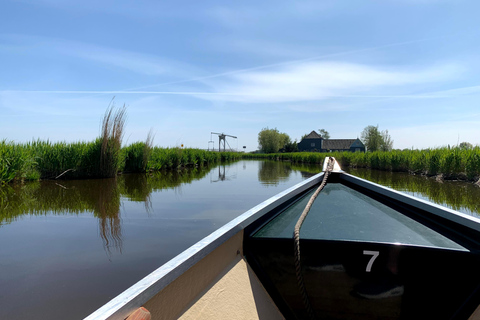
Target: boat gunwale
(142,291)
(454,216)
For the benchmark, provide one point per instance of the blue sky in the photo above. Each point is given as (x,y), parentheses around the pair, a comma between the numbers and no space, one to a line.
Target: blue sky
(187,68)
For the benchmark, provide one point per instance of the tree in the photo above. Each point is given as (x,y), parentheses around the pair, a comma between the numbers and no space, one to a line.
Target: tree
(387,142)
(290,146)
(271,140)
(324,133)
(376,140)
(465,146)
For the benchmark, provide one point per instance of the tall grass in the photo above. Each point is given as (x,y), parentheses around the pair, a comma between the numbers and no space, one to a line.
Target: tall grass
(11,161)
(176,158)
(111,142)
(452,163)
(137,155)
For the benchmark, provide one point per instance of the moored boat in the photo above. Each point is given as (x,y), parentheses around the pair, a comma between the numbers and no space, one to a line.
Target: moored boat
(364,251)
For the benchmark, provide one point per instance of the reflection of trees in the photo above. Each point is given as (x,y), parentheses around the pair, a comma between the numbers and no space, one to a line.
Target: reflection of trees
(272,172)
(307,170)
(454,194)
(100,197)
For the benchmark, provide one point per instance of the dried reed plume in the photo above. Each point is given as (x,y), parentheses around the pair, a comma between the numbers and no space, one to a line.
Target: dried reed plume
(111,140)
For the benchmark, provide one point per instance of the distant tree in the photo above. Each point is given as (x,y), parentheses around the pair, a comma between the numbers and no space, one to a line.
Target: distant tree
(371,137)
(465,146)
(324,133)
(376,140)
(271,140)
(387,142)
(290,146)
(284,139)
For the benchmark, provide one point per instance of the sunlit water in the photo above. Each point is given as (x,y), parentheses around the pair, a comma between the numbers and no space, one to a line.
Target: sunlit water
(68,247)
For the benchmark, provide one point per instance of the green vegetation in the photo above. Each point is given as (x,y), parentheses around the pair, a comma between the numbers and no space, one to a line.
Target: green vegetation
(451,163)
(376,140)
(101,197)
(271,140)
(102,158)
(79,160)
(324,133)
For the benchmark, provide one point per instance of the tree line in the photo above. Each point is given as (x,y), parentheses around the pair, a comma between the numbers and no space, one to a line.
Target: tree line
(273,141)
(374,139)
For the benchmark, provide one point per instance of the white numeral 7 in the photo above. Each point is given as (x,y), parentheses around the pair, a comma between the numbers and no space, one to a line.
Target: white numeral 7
(374,255)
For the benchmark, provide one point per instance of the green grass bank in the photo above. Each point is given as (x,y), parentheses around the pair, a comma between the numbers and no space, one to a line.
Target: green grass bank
(80,160)
(450,163)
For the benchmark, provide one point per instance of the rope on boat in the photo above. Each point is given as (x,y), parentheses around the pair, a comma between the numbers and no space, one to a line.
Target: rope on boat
(296,239)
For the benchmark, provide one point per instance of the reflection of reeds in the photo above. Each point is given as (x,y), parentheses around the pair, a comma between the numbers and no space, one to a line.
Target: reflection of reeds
(100,197)
(453,163)
(456,195)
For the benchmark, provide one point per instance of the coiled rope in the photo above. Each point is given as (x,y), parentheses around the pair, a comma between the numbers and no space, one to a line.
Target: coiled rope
(296,239)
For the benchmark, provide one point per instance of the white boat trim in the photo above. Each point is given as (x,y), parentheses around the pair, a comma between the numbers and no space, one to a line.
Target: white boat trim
(138,294)
(141,292)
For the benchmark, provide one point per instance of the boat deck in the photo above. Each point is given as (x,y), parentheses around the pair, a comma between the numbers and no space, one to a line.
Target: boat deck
(342,213)
(364,254)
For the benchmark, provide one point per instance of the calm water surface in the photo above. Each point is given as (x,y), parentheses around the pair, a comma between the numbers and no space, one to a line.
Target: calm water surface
(67,247)
(457,195)
(70,246)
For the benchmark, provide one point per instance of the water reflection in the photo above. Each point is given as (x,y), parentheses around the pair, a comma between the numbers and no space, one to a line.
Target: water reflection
(457,195)
(224,173)
(101,198)
(73,245)
(273,172)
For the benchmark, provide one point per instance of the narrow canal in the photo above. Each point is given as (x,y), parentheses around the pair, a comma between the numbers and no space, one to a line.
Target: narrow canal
(70,246)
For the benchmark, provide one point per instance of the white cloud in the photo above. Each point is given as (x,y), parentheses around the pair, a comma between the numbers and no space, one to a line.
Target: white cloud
(324,80)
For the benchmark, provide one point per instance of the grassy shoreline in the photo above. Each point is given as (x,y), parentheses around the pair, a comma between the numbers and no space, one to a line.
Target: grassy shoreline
(80,160)
(445,163)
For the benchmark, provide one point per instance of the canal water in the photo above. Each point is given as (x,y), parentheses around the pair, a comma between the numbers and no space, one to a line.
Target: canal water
(67,247)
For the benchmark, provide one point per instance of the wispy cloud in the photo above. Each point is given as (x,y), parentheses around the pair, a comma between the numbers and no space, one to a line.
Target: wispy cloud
(310,81)
(328,56)
(323,80)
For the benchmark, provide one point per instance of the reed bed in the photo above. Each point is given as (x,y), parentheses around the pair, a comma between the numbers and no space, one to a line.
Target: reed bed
(11,161)
(176,158)
(79,160)
(450,163)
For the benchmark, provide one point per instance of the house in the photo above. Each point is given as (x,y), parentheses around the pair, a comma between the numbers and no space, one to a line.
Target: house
(313,142)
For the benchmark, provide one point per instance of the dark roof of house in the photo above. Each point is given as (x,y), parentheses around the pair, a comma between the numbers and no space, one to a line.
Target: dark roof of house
(313,135)
(337,144)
